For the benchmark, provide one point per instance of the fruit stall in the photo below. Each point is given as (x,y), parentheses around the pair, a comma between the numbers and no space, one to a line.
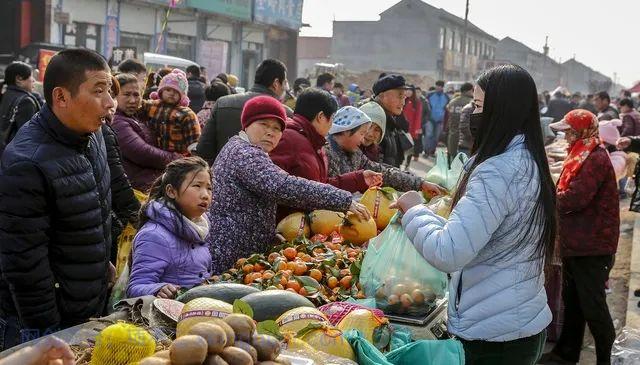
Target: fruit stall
(336,291)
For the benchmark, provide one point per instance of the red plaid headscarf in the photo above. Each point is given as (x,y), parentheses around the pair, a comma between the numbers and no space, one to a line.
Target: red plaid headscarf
(585,124)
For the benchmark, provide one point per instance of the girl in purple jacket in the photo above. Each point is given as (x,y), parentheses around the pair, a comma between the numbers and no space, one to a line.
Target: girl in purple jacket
(169,251)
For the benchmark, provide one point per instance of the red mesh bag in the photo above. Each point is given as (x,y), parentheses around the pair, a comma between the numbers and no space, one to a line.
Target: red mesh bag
(336,311)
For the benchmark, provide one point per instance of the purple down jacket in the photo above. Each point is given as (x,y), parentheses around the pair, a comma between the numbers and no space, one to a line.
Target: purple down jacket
(167,251)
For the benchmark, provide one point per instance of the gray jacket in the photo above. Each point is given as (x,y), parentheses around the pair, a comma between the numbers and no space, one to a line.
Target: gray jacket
(225,121)
(342,162)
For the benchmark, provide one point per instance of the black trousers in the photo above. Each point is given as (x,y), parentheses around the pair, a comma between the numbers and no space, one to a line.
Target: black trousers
(585,302)
(523,351)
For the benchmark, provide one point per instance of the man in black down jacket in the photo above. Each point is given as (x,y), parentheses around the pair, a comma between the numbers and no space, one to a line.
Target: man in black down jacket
(270,79)
(390,93)
(55,203)
(196,89)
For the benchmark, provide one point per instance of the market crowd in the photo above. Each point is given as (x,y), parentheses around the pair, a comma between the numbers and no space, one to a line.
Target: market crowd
(204,173)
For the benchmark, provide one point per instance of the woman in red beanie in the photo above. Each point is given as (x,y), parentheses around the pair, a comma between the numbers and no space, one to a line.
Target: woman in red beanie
(248,186)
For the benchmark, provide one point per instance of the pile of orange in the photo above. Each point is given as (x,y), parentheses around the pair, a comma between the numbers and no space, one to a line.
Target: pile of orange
(320,268)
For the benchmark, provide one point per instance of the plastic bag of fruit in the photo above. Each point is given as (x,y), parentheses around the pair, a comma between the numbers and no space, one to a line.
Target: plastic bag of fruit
(396,275)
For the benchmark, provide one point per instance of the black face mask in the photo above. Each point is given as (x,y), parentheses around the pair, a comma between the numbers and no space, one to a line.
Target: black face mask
(475,120)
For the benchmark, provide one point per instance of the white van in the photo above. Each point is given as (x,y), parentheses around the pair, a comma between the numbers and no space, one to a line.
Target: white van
(155,61)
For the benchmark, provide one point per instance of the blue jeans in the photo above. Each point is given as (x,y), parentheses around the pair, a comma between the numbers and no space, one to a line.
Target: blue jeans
(432,135)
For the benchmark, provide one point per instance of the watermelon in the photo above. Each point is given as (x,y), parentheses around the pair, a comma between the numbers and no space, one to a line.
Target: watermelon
(226,292)
(271,304)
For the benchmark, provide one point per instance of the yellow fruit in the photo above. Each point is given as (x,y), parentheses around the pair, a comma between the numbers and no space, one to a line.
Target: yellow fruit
(363,320)
(325,222)
(378,201)
(293,226)
(358,231)
(201,310)
(296,319)
(121,344)
(329,339)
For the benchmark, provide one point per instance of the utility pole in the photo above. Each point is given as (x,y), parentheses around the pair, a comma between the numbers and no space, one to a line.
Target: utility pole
(464,44)
(545,50)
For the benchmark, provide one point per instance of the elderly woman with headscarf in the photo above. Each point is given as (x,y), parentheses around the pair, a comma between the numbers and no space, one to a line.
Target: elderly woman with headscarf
(589,223)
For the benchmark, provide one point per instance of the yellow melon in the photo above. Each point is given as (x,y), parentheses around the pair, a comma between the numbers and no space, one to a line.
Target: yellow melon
(330,340)
(121,344)
(325,222)
(377,200)
(356,230)
(293,226)
(298,318)
(201,310)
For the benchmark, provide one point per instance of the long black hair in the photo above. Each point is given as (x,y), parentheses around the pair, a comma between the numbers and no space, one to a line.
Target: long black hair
(12,72)
(510,109)
(174,175)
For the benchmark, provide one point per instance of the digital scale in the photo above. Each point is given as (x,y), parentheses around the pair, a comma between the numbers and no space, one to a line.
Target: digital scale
(432,326)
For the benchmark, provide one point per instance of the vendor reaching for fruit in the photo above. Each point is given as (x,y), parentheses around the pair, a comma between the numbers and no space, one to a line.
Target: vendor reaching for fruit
(247,187)
(170,251)
(350,125)
(501,229)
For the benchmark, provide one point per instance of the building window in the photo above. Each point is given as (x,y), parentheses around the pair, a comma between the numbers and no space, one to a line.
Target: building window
(443,34)
(83,35)
(459,42)
(141,42)
(180,46)
(451,40)
(467,48)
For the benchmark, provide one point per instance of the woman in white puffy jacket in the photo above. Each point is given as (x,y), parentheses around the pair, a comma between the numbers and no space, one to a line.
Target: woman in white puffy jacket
(501,228)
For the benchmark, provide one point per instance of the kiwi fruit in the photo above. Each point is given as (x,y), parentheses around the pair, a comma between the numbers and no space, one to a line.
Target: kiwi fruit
(268,347)
(214,334)
(236,356)
(231,336)
(188,350)
(249,349)
(164,354)
(214,360)
(242,325)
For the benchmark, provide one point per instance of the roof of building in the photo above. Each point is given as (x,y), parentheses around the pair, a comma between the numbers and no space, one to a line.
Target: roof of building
(527,48)
(445,15)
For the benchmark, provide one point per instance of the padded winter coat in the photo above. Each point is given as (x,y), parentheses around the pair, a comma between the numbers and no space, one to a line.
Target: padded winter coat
(496,292)
(55,224)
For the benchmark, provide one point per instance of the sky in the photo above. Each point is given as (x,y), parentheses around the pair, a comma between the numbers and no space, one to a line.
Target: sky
(604,35)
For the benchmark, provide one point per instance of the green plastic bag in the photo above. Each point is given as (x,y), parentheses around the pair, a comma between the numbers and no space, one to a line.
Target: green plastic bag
(440,352)
(440,172)
(428,352)
(397,276)
(456,170)
(444,176)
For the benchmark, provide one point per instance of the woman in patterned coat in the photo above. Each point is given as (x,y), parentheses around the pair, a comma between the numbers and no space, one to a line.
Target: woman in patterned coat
(247,187)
